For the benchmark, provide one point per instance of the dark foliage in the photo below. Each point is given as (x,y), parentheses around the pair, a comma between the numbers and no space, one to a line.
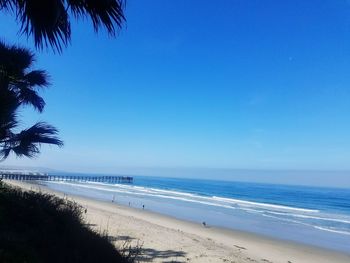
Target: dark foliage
(49,21)
(18,87)
(36,227)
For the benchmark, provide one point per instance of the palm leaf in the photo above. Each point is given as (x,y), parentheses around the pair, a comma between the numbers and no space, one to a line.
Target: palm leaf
(17,88)
(103,13)
(6,4)
(8,108)
(4,153)
(14,60)
(37,78)
(31,97)
(46,20)
(41,132)
(27,142)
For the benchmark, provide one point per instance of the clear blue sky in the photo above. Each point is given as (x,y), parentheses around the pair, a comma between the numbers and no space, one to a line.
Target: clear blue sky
(228,84)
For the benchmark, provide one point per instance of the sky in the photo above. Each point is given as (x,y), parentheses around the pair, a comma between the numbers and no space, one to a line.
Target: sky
(231,84)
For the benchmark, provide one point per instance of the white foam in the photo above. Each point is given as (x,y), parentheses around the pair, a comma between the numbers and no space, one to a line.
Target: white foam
(332,230)
(279,212)
(169,194)
(310,225)
(152,194)
(221,199)
(151,190)
(273,206)
(312,217)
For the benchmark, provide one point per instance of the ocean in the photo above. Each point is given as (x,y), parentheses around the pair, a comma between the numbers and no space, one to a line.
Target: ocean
(311,215)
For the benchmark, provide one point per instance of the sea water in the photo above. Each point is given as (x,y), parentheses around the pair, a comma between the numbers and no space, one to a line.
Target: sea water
(312,215)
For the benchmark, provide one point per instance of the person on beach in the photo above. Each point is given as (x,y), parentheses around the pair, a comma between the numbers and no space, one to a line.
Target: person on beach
(143,206)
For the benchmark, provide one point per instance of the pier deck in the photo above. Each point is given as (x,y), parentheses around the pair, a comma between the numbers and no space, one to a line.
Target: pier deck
(49,177)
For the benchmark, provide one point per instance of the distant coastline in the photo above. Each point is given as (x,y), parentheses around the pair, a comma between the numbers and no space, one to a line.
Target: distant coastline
(297,177)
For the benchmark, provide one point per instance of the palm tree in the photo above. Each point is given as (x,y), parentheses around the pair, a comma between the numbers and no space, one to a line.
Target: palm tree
(49,20)
(18,87)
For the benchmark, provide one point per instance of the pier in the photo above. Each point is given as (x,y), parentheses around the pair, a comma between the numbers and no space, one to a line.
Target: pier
(77,178)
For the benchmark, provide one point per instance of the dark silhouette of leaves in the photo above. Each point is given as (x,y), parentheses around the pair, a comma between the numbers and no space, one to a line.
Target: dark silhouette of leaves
(18,88)
(27,142)
(49,21)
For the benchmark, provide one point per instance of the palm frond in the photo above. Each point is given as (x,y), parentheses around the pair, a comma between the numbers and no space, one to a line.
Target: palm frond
(27,142)
(103,13)
(5,129)
(17,87)
(31,97)
(41,132)
(46,20)
(4,153)
(6,5)
(8,108)
(28,150)
(37,78)
(14,60)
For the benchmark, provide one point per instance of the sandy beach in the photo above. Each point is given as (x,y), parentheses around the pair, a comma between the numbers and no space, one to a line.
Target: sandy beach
(166,239)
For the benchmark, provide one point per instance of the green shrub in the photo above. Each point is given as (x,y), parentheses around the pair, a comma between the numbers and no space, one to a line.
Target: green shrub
(38,227)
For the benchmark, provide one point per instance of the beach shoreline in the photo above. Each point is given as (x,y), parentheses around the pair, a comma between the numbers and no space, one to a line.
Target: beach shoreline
(167,239)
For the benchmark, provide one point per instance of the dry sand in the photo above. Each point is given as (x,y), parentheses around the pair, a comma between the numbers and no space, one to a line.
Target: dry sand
(166,239)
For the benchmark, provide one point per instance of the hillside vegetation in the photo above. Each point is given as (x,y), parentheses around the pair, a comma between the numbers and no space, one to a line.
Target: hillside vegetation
(38,227)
